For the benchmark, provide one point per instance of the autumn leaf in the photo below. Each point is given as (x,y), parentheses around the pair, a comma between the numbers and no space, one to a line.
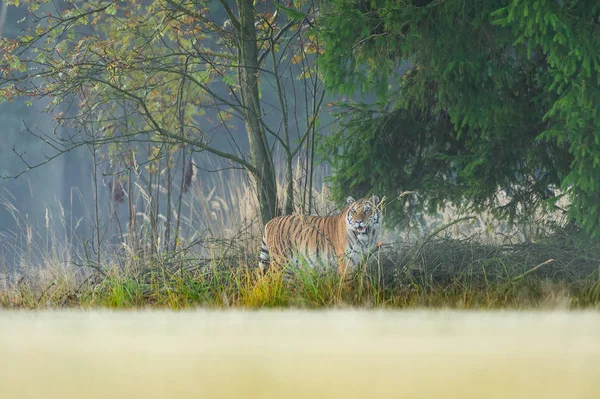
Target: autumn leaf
(111,10)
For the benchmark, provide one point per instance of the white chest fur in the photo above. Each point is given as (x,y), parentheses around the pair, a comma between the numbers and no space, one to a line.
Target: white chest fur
(360,245)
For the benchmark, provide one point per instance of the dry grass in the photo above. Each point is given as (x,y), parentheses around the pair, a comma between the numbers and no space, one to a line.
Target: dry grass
(438,273)
(351,354)
(451,262)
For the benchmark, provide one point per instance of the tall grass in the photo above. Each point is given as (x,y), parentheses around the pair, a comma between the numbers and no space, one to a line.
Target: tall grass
(444,273)
(448,262)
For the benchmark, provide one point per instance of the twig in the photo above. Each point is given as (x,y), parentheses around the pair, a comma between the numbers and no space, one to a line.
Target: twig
(44,292)
(522,276)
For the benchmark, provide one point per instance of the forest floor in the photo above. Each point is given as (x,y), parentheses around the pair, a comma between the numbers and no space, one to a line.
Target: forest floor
(553,273)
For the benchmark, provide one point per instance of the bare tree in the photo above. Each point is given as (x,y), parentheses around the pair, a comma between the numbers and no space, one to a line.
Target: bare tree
(159,82)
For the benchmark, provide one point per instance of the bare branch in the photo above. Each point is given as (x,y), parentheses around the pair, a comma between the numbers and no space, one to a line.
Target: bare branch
(234,21)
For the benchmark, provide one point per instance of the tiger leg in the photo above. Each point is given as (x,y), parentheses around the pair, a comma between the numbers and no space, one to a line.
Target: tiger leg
(345,271)
(264,258)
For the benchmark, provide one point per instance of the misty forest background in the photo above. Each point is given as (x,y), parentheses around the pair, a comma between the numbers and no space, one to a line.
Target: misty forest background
(146,143)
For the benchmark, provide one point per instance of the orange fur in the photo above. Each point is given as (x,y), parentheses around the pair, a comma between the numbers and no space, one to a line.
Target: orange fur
(326,240)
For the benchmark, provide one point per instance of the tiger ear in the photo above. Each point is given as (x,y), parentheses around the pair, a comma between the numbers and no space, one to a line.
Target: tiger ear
(350,200)
(375,199)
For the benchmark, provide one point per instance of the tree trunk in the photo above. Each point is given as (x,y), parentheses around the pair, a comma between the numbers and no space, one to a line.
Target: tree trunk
(260,156)
(289,191)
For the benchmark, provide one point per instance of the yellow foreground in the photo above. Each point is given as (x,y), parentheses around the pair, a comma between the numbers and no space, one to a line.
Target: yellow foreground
(291,354)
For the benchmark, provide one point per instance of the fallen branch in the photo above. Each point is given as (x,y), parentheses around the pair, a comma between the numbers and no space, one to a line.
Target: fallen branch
(522,276)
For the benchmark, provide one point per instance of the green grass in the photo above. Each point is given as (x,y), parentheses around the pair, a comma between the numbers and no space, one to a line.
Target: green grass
(461,274)
(214,265)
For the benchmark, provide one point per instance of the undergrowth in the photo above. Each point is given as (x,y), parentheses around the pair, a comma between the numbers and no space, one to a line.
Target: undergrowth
(447,260)
(463,274)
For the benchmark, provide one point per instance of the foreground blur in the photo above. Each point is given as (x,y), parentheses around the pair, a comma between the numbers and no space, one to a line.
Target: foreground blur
(289,354)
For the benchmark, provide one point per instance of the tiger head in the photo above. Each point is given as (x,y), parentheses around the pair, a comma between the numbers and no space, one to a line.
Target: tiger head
(363,215)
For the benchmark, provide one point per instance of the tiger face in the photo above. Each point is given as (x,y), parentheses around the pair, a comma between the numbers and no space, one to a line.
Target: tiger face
(363,216)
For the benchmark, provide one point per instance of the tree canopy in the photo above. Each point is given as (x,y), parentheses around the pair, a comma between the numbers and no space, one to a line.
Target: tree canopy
(500,95)
(148,80)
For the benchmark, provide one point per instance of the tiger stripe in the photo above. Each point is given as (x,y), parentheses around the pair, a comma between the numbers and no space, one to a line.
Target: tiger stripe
(345,238)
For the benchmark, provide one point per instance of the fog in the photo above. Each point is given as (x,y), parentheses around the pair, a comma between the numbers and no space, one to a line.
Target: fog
(54,201)
(57,198)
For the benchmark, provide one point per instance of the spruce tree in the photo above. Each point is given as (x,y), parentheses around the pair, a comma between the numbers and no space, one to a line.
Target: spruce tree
(500,95)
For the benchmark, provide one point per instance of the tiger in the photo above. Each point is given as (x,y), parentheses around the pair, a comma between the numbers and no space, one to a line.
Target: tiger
(346,238)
